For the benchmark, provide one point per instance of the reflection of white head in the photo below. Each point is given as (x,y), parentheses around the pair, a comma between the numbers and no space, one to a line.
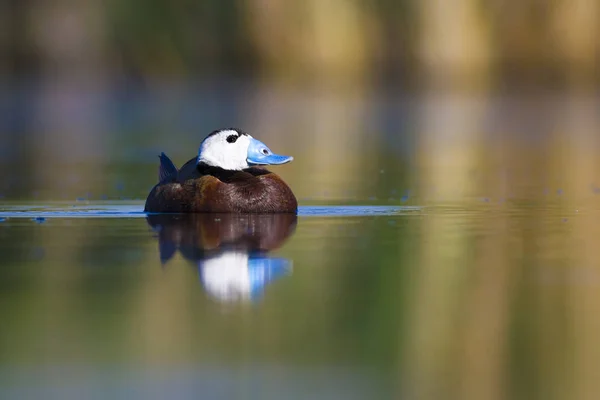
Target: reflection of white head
(226,276)
(227,149)
(234,275)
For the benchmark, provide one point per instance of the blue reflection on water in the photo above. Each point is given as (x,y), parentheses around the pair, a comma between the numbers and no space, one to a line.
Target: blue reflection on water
(134,209)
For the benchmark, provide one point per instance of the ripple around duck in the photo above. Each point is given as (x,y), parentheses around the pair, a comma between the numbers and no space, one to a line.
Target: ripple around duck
(61,210)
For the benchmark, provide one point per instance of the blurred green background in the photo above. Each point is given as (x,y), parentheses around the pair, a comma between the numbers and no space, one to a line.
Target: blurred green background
(372,98)
(485,113)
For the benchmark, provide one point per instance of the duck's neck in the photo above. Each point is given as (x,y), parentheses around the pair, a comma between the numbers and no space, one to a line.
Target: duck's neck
(206,169)
(225,174)
(218,172)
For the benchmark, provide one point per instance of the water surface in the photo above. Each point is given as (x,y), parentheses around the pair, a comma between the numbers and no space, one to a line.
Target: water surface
(104,300)
(101,300)
(445,247)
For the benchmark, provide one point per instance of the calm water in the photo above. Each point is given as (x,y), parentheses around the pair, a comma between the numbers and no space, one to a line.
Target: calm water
(445,248)
(104,300)
(497,299)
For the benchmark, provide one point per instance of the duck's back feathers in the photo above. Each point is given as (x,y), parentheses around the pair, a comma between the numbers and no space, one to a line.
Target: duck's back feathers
(188,171)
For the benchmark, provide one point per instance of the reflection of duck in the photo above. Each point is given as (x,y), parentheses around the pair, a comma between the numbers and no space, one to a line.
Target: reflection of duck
(230,250)
(224,177)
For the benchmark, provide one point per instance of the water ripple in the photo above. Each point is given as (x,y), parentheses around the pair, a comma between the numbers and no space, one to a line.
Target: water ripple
(129,210)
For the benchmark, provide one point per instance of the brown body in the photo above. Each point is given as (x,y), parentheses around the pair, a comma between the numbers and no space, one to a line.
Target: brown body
(204,189)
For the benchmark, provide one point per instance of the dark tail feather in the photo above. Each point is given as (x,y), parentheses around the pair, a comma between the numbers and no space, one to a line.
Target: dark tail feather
(167,172)
(166,250)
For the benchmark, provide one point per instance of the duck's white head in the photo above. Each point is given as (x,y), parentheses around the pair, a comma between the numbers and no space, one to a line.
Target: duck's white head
(233,149)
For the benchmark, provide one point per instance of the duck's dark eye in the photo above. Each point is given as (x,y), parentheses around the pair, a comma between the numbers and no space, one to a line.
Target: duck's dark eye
(232,138)
(265,152)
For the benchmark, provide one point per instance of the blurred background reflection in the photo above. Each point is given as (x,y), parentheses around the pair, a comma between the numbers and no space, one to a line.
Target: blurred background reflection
(485,113)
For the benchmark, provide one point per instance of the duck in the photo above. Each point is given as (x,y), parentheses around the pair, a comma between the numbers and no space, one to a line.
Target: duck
(227,176)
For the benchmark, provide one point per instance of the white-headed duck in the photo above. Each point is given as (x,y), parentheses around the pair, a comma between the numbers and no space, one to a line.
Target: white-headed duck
(223,178)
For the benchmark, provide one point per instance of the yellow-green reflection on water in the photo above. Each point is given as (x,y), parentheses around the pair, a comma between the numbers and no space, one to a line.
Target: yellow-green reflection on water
(482,299)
